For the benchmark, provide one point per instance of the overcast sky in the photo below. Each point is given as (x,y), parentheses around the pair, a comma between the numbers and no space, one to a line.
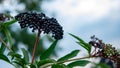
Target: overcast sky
(83,18)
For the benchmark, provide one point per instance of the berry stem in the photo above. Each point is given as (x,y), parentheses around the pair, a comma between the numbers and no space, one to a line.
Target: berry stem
(5,45)
(35,46)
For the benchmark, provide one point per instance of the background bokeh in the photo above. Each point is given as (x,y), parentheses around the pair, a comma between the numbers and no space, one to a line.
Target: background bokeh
(83,18)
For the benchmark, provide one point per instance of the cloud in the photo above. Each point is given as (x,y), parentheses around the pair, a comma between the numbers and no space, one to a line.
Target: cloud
(11,5)
(85,9)
(85,18)
(74,14)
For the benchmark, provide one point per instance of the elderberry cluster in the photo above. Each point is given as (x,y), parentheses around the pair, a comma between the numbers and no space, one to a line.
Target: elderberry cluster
(40,22)
(105,50)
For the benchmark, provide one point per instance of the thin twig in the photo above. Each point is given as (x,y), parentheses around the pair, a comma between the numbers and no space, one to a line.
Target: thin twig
(74,59)
(5,44)
(35,46)
(45,66)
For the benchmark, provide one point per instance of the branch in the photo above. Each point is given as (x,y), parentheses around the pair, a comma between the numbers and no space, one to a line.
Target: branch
(47,65)
(35,47)
(5,44)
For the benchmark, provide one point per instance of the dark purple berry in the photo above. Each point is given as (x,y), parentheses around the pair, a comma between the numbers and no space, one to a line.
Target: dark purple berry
(39,21)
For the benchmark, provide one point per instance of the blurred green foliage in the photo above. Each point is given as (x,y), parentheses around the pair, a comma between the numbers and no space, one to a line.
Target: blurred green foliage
(32,4)
(28,39)
(20,36)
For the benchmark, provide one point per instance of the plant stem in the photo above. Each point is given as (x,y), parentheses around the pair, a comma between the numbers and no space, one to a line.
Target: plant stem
(47,65)
(5,44)
(74,59)
(35,46)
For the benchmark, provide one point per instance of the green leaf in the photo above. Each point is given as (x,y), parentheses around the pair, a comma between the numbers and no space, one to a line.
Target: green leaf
(20,61)
(79,39)
(8,35)
(78,63)
(59,66)
(2,49)
(13,54)
(86,46)
(83,43)
(49,51)
(1,26)
(32,66)
(46,61)
(101,65)
(26,56)
(10,22)
(70,55)
(5,58)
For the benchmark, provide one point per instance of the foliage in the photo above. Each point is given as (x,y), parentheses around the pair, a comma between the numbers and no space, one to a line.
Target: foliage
(45,60)
(83,43)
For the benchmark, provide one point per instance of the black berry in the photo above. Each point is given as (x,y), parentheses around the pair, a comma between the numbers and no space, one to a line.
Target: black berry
(39,21)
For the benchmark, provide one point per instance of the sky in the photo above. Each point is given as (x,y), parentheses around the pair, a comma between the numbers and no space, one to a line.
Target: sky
(83,18)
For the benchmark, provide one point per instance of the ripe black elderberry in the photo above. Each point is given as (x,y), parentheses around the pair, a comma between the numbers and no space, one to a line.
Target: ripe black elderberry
(106,51)
(39,21)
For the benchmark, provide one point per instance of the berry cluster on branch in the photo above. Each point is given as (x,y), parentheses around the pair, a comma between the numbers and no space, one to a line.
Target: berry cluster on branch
(40,22)
(105,50)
